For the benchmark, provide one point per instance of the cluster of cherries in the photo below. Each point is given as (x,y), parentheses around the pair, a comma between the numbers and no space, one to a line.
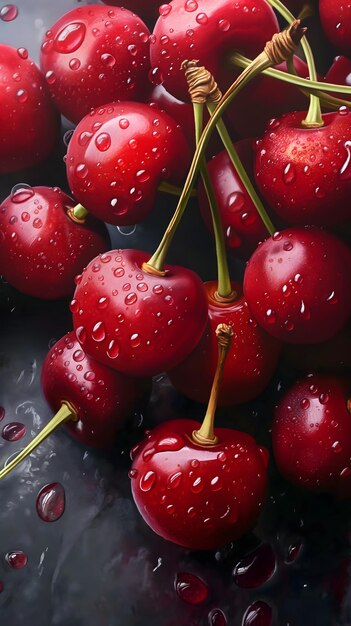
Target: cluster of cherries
(135,316)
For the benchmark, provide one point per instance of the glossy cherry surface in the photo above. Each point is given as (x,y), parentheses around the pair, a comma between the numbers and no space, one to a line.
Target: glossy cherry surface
(198,497)
(250,362)
(102,398)
(305,173)
(135,321)
(42,248)
(93,55)
(119,154)
(335,16)
(148,11)
(209,32)
(311,434)
(296,285)
(340,73)
(29,123)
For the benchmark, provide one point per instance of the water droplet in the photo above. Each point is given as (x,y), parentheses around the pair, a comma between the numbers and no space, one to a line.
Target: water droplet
(289,173)
(8,13)
(345,473)
(50,503)
(197,485)
(78,356)
(190,5)
(113,349)
(131,298)
(256,568)
(305,403)
(222,457)
(320,193)
(223,25)
(345,171)
(103,142)
(81,170)
(22,194)
(216,484)
(142,176)
(135,340)
(22,96)
(50,77)
(108,60)
(81,334)
(216,617)
(123,123)
(155,76)
(271,316)
(13,431)
(201,18)
(70,38)
(133,473)
(16,559)
(25,217)
(37,223)
(324,398)
(258,614)
(174,480)
(147,481)
(190,588)
(98,332)
(165,9)
(235,201)
(172,443)
(293,552)
(84,138)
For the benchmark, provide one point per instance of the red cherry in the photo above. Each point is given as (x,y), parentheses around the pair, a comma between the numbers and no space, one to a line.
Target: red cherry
(305,173)
(242,225)
(198,497)
(148,11)
(312,434)
(134,321)
(42,249)
(340,73)
(119,154)
(250,362)
(208,31)
(29,124)
(297,285)
(101,397)
(335,16)
(93,55)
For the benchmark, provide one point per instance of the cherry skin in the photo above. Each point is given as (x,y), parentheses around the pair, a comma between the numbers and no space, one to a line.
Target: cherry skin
(29,123)
(134,321)
(148,11)
(195,496)
(93,55)
(311,434)
(297,285)
(242,225)
(119,154)
(208,31)
(102,398)
(250,362)
(42,248)
(335,16)
(304,174)
(340,73)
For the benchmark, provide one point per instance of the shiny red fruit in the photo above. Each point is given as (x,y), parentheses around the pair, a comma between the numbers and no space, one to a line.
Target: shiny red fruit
(208,31)
(135,321)
(93,55)
(29,123)
(42,248)
(148,11)
(242,225)
(312,434)
(304,174)
(335,16)
(198,497)
(340,73)
(250,362)
(102,398)
(119,154)
(297,285)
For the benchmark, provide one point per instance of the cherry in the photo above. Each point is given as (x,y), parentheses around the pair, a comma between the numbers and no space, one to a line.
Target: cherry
(29,124)
(118,155)
(148,11)
(208,31)
(138,322)
(198,488)
(335,16)
(242,225)
(250,362)
(305,173)
(297,285)
(93,55)
(340,73)
(42,246)
(311,434)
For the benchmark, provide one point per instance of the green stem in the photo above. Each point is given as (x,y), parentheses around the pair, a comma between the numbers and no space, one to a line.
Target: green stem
(224,288)
(314,114)
(238,166)
(77,213)
(65,413)
(173,190)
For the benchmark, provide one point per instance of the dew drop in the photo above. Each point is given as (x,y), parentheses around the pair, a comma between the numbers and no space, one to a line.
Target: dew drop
(293,552)
(337,447)
(22,195)
(345,171)
(81,170)
(108,60)
(235,201)
(324,398)
(201,18)
(190,5)
(305,403)
(8,13)
(113,349)
(50,504)
(164,9)
(172,443)
(103,142)
(78,356)
(50,77)
(190,588)
(74,64)
(123,123)
(13,431)
(271,316)
(135,340)
(133,473)
(223,25)
(84,138)
(98,332)
(25,217)
(197,485)
(22,96)
(147,481)
(255,569)
(258,614)
(37,223)
(216,617)
(16,559)
(174,480)
(332,298)
(131,298)
(289,173)
(70,38)
(345,473)
(142,176)
(81,334)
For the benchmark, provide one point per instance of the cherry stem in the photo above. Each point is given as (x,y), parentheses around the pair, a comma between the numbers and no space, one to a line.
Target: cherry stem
(65,413)
(306,85)
(238,166)
(306,11)
(205,436)
(313,118)
(267,58)
(77,214)
(172,190)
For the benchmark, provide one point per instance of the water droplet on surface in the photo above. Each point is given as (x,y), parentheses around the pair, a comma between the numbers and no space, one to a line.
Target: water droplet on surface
(113,349)
(270,316)
(197,485)
(216,617)
(8,13)
(305,403)
(123,123)
(108,60)
(324,398)
(78,356)
(81,170)
(235,201)
(174,480)
(84,138)
(345,171)
(172,443)
(164,9)
(50,504)
(256,568)
(13,431)
(190,5)
(216,484)
(190,588)
(81,334)
(50,77)
(22,194)
(147,481)
(289,173)
(98,332)
(201,18)
(258,614)
(135,340)
(37,223)
(16,559)
(332,298)
(223,25)
(22,96)
(25,217)
(103,142)
(131,298)
(70,38)
(293,552)
(337,447)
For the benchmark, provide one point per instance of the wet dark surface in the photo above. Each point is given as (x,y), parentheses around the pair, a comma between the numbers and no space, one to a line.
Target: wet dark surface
(98,564)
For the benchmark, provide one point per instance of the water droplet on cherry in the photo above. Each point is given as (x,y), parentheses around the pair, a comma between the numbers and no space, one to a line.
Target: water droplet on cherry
(50,504)
(13,431)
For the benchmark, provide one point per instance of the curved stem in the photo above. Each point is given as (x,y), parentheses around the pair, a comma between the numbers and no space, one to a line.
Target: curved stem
(238,166)
(224,288)
(314,115)
(65,413)
(173,190)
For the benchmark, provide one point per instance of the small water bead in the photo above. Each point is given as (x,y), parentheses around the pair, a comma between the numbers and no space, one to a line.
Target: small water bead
(294,550)
(190,588)
(223,25)
(103,142)
(133,473)
(50,504)
(332,298)
(22,53)
(13,431)
(103,303)
(337,447)
(164,9)
(78,356)
(216,617)
(216,484)
(172,443)
(25,217)
(289,173)
(135,340)
(8,13)
(271,316)
(113,349)
(81,334)
(198,485)
(324,398)
(305,403)
(201,18)
(119,272)
(175,480)
(190,5)
(98,332)
(81,170)
(345,171)
(70,38)
(148,481)
(16,559)
(22,96)
(21,194)
(108,60)
(142,287)
(142,176)
(123,123)
(37,223)
(191,512)
(50,77)
(255,569)
(345,473)
(258,614)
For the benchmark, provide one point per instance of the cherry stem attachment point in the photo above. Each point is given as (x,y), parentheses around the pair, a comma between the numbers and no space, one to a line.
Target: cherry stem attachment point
(205,436)
(64,414)
(78,214)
